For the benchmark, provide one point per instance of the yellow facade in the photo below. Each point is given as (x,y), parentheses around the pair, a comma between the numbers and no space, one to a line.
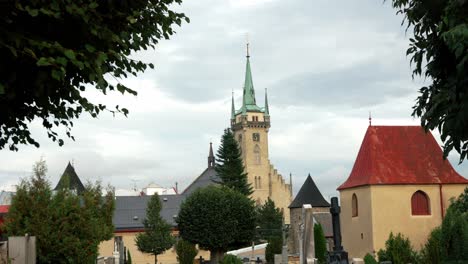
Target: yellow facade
(106,248)
(387,208)
(263,177)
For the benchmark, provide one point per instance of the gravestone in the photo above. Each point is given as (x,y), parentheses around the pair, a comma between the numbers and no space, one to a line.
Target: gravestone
(338,255)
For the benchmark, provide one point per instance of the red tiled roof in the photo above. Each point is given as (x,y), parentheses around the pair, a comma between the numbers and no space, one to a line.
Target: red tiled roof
(400,155)
(4,209)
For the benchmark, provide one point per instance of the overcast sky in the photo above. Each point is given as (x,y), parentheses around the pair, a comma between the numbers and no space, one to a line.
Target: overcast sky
(326,64)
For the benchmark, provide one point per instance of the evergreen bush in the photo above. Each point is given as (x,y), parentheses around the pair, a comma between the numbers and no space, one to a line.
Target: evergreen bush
(369,259)
(431,252)
(320,244)
(274,246)
(398,250)
(230,259)
(129,257)
(186,252)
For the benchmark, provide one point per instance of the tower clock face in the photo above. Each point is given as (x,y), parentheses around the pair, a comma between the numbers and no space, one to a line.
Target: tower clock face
(256,136)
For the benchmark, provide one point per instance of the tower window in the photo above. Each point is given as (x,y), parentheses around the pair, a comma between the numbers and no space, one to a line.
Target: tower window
(256,185)
(255,118)
(420,204)
(259,182)
(257,155)
(354,206)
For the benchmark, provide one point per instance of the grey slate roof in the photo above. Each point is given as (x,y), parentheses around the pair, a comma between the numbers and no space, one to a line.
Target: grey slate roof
(208,177)
(70,180)
(309,194)
(130,211)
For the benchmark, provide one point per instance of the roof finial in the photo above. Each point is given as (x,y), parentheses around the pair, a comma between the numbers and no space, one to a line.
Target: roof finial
(247,37)
(233,109)
(370,118)
(267,109)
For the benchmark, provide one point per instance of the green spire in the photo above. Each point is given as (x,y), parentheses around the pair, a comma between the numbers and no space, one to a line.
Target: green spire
(267,110)
(249,92)
(233,109)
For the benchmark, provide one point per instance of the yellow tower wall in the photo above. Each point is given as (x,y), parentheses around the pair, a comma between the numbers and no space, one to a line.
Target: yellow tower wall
(272,184)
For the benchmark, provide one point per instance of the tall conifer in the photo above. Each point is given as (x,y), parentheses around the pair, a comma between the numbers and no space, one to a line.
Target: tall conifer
(229,166)
(157,237)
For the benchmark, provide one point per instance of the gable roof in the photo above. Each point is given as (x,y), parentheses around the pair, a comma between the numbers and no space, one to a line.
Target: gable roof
(4,209)
(208,177)
(130,211)
(309,194)
(70,180)
(400,155)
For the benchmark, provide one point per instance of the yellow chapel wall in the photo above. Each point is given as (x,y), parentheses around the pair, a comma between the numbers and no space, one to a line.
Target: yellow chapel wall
(106,249)
(354,243)
(390,208)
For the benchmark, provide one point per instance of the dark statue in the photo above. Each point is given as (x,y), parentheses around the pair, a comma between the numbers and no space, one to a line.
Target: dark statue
(338,255)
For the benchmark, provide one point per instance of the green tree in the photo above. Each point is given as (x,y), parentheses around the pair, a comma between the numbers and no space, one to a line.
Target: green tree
(230,259)
(439,52)
(369,259)
(186,252)
(398,250)
(53,51)
(320,244)
(129,257)
(229,166)
(454,231)
(269,220)
(431,252)
(67,226)
(217,218)
(275,246)
(157,236)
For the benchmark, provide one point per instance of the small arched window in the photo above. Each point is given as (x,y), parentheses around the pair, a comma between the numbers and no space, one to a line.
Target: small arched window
(256,184)
(420,204)
(259,182)
(354,205)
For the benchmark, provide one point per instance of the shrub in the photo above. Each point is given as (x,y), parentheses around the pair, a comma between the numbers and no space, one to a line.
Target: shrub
(320,244)
(431,252)
(369,259)
(129,257)
(398,250)
(230,259)
(186,252)
(274,246)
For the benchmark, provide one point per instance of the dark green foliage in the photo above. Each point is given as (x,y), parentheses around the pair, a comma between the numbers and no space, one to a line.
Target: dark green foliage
(186,252)
(369,259)
(157,237)
(454,231)
(275,246)
(269,220)
(398,250)
(217,218)
(431,252)
(67,227)
(129,257)
(52,51)
(320,244)
(230,259)
(439,52)
(229,166)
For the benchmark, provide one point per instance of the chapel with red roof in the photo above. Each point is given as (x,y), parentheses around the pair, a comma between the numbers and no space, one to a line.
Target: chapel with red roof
(399,183)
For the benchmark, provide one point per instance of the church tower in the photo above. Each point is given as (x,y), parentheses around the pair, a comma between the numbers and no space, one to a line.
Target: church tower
(250,125)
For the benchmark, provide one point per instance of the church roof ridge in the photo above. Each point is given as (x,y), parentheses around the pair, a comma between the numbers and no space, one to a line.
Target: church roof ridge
(400,155)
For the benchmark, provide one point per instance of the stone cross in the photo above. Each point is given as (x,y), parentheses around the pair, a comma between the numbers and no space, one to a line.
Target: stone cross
(338,255)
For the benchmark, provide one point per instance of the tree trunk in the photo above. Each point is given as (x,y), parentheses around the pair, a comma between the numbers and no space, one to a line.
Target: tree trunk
(216,255)
(155,259)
